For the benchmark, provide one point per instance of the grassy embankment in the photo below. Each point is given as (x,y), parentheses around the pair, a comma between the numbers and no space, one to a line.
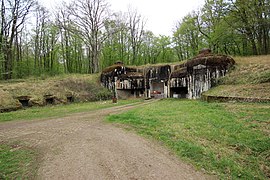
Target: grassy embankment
(81,88)
(249,79)
(231,140)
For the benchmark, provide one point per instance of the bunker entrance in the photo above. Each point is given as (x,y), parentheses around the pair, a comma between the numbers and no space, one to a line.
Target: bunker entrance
(25,103)
(157,89)
(179,92)
(24,100)
(70,99)
(49,99)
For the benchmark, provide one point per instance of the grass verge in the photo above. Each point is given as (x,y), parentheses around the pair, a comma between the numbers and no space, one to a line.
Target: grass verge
(17,162)
(60,110)
(230,140)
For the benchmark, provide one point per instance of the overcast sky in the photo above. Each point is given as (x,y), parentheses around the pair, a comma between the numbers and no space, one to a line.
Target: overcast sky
(161,15)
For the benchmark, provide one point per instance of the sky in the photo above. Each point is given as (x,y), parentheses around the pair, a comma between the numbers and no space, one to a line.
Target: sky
(161,15)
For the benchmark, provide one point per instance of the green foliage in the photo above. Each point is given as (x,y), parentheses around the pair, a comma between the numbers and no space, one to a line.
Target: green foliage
(187,37)
(221,138)
(149,48)
(231,27)
(17,162)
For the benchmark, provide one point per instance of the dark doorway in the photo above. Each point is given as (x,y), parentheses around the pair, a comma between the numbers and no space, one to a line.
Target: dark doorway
(179,92)
(49,100)
(70,99)
(24,102)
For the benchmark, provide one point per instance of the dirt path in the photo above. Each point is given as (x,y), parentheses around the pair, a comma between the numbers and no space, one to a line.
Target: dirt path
(82,146)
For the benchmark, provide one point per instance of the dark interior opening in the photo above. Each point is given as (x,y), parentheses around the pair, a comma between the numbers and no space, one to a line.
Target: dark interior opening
(179,92)
(24,102)
(70,99)
(49,100)
(137,92)
(158,87)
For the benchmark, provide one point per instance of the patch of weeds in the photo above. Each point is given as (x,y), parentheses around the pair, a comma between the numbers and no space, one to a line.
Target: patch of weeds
(17,162)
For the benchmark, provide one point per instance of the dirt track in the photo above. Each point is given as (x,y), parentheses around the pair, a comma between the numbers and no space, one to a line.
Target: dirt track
(82,146)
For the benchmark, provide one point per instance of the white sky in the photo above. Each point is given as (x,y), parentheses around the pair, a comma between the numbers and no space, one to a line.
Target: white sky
(161,15)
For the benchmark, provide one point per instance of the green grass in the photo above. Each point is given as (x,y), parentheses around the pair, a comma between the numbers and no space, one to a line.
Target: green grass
(230,140)
(17,162)
(59,110)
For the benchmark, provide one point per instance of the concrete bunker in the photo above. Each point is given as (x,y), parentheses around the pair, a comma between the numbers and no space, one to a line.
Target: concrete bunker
(184,80)
(130,84)
(158,89)
(125,82)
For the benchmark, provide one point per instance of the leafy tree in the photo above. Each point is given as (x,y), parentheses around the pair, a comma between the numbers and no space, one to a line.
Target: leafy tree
(72,45)
(13,17)
(226,26)
(251,18)
(89,16)
(83,38)
(149,48)
(136,29)
(187,38)
(166,53)
(116,45)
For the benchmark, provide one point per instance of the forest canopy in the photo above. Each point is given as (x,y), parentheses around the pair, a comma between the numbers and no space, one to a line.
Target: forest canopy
(85,36)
